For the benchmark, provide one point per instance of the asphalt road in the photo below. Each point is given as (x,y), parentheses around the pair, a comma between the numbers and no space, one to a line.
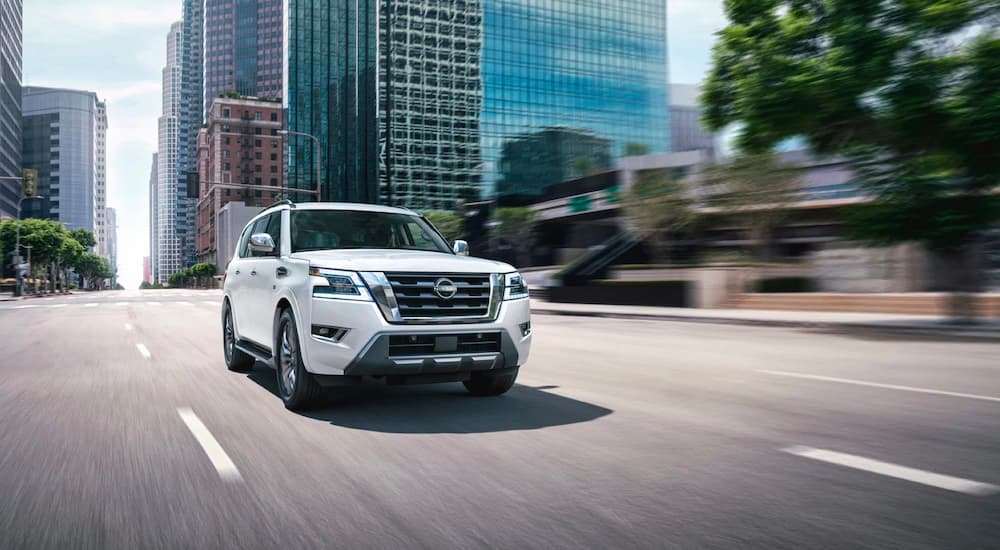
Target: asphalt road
(121,428)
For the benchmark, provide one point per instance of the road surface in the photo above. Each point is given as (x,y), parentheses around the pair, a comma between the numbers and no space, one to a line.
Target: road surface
(121,428)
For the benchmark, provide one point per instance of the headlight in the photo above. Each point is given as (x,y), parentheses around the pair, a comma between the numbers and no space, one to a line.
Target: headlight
(516,288)
(340,285)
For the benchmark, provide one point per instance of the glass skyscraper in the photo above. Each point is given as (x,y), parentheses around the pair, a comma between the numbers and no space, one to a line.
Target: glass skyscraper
(10,106)
(60,132)
(481,96)
(580,80)
(243,48)
(330,93)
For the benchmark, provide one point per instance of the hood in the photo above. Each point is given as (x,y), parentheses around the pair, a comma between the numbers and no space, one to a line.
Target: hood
(401,261)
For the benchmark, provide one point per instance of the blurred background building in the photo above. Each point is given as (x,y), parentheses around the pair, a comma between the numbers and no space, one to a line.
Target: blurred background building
(239,160)
(243,49)
(61,131)
(10,106)
(461,83)
(168,256)
(687,133)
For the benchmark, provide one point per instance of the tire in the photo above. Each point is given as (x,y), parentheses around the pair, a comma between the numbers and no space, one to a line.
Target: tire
(486,385)
(296,387)
(236,360)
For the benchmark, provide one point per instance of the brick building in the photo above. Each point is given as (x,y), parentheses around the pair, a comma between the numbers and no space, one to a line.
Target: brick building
(239,159)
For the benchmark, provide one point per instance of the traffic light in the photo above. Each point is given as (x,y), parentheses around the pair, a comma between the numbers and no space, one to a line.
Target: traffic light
(29,183)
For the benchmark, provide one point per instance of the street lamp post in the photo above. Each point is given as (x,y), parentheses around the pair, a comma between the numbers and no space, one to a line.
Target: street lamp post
(318,153)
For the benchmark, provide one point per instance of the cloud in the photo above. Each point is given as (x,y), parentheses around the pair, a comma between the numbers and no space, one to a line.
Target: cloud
(106,16)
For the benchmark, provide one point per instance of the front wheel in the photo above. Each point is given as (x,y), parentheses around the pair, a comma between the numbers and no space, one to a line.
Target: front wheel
(296,387)
(488,385)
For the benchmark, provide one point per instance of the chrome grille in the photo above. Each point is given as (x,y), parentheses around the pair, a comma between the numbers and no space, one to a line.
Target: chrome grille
(417,300)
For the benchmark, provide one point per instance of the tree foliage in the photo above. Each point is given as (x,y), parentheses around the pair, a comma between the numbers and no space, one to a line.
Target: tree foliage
(84,237)
(517,227)
(909,89)
(451,225)
(657,206)
(756,190)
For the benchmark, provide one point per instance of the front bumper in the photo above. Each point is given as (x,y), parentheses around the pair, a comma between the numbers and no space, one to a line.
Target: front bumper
(365,349)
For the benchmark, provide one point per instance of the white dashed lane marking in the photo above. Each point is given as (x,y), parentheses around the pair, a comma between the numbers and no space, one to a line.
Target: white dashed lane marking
(143,350)
(223,464)
(879,385)
(889,469)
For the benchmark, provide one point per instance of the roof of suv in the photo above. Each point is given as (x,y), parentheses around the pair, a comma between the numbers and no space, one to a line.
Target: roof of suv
(343,206)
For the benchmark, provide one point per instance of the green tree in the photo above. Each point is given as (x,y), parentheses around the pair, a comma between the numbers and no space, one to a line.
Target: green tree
(633,149)
(756,190)
(50,244)
(451,225)
(145,285)
(907,89)
(92,268)
(84,237)
(517,227)
(656,207)
(583,166)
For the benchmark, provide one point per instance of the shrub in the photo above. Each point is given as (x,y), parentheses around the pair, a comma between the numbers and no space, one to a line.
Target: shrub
(785,284)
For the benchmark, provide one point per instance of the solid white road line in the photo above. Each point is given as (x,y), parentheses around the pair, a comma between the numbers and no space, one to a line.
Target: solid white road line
(185,303)
(923,477)
(47,299)
(153,303)
(878,385)
(223,464)
(59,305)
(121,304)
(91,304)
(143,350)
(26,307)
(129,327)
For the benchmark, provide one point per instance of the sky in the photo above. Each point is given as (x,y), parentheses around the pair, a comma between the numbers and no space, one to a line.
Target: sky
(117,48)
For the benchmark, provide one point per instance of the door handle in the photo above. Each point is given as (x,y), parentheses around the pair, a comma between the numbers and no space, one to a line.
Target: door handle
(253,273)
(281,271)
(237,271)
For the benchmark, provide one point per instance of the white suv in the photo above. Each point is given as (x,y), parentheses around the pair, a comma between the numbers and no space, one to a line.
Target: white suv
(330,294)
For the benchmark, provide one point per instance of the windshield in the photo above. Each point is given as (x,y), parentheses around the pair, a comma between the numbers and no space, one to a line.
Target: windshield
(351,229)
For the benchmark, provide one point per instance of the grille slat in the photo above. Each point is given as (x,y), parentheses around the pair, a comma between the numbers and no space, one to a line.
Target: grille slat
(423,344)
(416,299)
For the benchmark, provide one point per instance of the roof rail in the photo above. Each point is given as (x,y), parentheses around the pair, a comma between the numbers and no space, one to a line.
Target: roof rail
(282,203)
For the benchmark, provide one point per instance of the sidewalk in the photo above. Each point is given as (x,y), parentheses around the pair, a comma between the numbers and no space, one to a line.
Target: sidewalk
(914,324)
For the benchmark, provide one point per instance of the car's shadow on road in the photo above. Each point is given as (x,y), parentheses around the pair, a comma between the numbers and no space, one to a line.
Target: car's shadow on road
(441,408)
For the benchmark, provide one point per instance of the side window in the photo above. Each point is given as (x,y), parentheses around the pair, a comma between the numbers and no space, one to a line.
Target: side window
(274,229)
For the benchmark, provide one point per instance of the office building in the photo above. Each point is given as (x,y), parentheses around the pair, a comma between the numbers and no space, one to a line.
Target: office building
(153,213)
(243,49)
(168,220)
(60,131)
(239,159)
(111,228)
(191,115)
(686,129)
(101,225)
(429,95)
(334,100)
(10,106)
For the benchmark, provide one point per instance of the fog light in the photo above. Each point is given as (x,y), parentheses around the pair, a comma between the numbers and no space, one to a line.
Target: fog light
(526,328)
(334,334)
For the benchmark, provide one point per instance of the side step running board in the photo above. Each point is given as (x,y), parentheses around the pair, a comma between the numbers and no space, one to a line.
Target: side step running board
(259,352)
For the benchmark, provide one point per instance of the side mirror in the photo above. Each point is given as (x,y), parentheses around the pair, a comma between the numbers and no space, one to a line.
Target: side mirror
(461,248)
(261,244)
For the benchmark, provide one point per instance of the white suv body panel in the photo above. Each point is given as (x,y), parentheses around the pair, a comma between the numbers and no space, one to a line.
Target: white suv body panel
(258,298)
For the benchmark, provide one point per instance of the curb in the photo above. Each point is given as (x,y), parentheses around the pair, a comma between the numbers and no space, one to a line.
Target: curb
(946,331)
